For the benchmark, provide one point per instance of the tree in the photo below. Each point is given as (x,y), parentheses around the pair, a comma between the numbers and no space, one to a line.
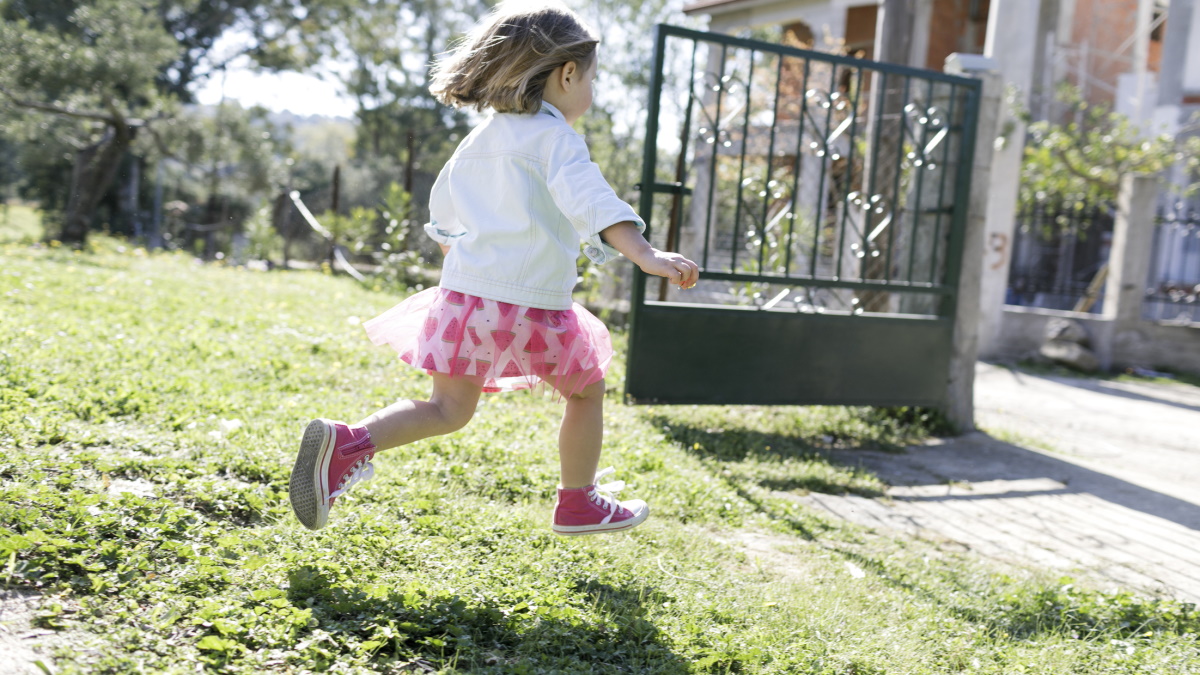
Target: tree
(118,68)
(1081,160)
(392,43)
(221,157)
(98,65)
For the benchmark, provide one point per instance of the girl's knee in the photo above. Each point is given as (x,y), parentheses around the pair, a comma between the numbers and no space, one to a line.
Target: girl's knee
(456,414)
(455,399)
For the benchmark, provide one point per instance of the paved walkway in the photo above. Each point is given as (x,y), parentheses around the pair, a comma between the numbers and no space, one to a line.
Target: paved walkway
(1101,481)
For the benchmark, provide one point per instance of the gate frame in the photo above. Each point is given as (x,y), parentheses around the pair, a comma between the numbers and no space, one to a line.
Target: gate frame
(949,321)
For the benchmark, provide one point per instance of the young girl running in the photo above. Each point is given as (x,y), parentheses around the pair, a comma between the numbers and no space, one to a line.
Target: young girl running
(510,211)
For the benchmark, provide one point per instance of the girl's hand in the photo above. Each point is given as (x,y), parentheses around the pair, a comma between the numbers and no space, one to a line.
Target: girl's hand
(627,238)
(676,268)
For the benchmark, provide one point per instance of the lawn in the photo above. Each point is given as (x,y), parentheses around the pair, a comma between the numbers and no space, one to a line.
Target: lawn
(20,223)
(149,411)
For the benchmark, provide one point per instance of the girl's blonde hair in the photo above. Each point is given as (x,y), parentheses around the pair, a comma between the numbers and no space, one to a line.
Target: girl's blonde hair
(505,62)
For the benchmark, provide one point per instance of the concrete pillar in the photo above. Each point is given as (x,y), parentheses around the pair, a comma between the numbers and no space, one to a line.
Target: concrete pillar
(1169,115)
(894,31)
(1143,108)
(960,388)
(1174,52)
(1009,44)
(918,54)
(1128,263)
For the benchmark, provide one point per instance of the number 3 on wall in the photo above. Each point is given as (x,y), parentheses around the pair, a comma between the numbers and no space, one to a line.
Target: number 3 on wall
(998,244)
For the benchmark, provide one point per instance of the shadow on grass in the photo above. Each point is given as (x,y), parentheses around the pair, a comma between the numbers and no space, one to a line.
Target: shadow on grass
(734,445)
(417,629)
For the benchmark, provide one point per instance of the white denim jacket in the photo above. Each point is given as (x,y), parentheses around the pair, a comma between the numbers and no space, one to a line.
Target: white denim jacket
(514,203)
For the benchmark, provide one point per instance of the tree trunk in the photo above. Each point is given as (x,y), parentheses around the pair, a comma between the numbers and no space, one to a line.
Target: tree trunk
(95,168)
(128,190)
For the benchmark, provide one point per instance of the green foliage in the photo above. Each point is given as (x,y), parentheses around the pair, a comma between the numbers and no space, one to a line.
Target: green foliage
(76,82)
(1083,613)
(149,409)
(101,54)
(83,79)
(388,45)
(95,67)
(265,242)
(1082,160)
(220,161)
(383,227)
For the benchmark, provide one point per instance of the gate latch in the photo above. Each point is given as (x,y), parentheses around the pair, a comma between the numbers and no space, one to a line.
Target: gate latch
(670,188)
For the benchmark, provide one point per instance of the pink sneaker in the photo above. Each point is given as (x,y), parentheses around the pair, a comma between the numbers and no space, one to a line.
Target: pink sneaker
(333,457)
(593,509)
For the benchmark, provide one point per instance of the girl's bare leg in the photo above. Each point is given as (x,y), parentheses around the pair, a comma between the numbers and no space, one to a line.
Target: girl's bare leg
(582,431)
(448,409)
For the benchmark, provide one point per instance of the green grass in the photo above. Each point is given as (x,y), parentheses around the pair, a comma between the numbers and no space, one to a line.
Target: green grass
(20,223)
(187,385)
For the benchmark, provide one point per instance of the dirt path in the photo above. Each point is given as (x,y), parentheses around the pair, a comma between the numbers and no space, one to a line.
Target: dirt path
(1101,480)
(22,646)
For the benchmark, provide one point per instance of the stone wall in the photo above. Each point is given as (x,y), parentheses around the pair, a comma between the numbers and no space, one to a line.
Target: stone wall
(1146,344)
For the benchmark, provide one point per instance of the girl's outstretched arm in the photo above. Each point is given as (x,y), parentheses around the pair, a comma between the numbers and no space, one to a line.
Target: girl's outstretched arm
(626,238)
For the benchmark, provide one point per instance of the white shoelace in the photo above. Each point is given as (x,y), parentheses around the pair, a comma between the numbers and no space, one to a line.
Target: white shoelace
(602,494)
(363,470)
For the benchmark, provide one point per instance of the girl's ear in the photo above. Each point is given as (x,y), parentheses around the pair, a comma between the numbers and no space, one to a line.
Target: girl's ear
(570,73)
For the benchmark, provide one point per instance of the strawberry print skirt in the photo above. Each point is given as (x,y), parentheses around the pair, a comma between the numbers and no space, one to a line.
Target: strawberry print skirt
(511,347)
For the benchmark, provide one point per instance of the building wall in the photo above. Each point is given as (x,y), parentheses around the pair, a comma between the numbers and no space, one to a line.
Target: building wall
(824,18)
(860,30)
(1101,27)
(953,26)
(956,26)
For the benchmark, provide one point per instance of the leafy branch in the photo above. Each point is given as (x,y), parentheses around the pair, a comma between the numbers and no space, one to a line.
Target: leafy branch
(113,117)
(1082,160)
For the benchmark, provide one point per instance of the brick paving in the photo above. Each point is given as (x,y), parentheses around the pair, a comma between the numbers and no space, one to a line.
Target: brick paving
(1101,480)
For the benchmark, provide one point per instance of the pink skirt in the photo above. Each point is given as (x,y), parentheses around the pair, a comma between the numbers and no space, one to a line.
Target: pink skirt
(509,346)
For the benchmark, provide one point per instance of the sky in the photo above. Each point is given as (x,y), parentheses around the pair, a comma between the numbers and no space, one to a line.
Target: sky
(300,94)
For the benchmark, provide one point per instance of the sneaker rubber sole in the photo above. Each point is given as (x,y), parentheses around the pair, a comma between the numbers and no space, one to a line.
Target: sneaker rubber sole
(579,530)
(309,475)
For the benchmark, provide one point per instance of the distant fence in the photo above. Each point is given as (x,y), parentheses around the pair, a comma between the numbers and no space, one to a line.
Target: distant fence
(1058,251)
(1173,293)
(338,252)
(1061,251)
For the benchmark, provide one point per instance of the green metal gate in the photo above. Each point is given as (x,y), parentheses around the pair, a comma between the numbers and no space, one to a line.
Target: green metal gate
(825,200)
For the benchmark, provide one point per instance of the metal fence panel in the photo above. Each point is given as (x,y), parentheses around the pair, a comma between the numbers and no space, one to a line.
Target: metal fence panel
(1058,251)
(1173,292)
(1061,253)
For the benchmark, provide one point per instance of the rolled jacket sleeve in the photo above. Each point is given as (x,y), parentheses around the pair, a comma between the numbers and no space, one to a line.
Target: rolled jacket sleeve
(443,235)
(443,226)
(584,197)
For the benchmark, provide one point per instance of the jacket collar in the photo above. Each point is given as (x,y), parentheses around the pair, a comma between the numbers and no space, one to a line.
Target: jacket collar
(552,111)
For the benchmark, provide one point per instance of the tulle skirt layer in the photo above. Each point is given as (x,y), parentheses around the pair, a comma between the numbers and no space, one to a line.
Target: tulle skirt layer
(509,346)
